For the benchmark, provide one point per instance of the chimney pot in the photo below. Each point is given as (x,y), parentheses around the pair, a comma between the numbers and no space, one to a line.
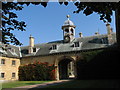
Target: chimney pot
(80,34)
(96,33)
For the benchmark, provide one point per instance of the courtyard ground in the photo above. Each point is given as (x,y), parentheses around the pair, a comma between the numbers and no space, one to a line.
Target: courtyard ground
(111,83)
(13,84)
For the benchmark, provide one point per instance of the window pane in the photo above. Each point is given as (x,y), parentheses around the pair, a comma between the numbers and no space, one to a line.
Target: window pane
(13,74)
(76,44)
(34,49)
(13,50)
(3,61)
(54,47)
(13,62)
(2,75)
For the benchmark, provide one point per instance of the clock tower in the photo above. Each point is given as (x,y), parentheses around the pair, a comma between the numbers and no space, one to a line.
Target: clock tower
(68,30)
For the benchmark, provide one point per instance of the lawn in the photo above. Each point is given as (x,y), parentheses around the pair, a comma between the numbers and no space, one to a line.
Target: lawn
(70,84)
(88,84)
(13,84)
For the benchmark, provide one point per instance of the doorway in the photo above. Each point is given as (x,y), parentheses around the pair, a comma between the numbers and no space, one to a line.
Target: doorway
(66,69)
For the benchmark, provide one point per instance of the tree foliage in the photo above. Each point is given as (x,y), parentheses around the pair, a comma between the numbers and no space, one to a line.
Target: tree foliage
(10,22)
(104,9)
(99,64)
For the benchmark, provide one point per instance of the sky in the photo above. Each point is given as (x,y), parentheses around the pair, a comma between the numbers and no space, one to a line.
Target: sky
(44,24)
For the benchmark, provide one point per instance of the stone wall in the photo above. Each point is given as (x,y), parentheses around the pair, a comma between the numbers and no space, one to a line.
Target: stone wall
(8,68)
(51,59)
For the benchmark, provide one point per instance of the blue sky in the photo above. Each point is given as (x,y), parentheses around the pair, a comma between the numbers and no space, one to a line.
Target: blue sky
(44,24)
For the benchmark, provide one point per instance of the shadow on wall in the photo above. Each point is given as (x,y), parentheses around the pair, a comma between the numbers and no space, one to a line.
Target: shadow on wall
(104,65)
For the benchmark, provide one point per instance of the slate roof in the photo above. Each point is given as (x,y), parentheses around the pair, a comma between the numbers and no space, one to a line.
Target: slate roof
(10,51)
(85,43)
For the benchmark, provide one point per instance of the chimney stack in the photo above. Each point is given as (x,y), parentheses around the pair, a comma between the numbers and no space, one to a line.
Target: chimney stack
(80,34)
(96,33)
(109,29)
(109,33)
(31,44)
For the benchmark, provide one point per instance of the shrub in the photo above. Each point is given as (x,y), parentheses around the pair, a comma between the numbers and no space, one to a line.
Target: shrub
(37,71)
(99,64)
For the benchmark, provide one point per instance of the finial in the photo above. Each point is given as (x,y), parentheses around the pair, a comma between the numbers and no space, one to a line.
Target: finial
(98,31)
(68,16)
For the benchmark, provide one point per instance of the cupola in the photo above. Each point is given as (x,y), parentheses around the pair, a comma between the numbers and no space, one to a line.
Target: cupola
(68,30)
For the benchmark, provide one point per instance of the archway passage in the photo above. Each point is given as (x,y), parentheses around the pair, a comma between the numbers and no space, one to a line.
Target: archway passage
(66,69)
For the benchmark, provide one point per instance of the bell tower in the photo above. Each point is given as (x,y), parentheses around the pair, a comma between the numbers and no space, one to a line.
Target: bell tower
(68,30)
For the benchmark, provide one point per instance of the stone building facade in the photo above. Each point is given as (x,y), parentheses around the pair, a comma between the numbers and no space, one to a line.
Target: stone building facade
(9,62)
(63,53)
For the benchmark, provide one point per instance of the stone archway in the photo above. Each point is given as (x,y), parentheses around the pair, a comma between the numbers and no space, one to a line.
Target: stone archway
(66,68)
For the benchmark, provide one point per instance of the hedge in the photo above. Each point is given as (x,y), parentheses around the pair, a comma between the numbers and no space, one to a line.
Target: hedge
(37,71)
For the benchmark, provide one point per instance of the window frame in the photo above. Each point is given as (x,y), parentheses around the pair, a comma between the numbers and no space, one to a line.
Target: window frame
(13,74)
(2,61)
(34,49)
(13,64)
(76,44)
(54,47)
(3,75)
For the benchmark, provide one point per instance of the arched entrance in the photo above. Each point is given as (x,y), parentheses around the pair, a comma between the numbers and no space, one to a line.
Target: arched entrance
(66,69)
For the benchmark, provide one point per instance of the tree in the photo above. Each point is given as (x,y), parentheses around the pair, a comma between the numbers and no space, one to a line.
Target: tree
(104,9)
(10,22)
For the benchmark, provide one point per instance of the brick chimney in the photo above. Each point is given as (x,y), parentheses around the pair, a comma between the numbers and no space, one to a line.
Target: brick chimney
(109,29)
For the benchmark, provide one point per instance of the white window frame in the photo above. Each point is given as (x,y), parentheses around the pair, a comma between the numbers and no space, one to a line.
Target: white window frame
(76,44)
(77,48)
(54,47)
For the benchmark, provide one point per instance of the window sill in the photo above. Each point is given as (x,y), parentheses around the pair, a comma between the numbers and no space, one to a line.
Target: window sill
(2,78)
(13,65)
(13,78)
(2,65)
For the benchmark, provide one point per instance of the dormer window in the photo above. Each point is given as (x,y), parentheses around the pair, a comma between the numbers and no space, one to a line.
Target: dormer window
(54,47)
(24,51)
(12,50)
(104,41)
(34,49)
(76,44)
